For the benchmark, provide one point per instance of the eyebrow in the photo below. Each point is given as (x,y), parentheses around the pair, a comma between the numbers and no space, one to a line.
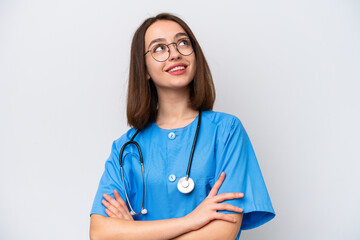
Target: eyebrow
(180,34)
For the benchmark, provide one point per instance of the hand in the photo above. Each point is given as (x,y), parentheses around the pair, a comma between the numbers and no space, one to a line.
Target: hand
(116,208)
(207,210)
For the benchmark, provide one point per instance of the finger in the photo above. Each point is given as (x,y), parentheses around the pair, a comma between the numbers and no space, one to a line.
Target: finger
(225,217)
(119,199)
(215,188)
(112,201)
(228,207)
(124,212)
(113,209)
(227,196)
(109,213)
(123,204)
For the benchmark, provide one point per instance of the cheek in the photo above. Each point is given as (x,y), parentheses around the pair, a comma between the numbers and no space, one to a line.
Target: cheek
(152,67)
(194,67)
(149,69)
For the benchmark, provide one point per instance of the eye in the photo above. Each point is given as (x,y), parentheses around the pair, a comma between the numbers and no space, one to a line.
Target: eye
(184,42)
(159,48)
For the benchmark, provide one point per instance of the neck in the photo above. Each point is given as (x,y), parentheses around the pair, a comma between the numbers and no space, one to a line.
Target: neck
(174,108)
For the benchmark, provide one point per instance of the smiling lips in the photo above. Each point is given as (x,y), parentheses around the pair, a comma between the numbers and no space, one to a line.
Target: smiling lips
(177,69)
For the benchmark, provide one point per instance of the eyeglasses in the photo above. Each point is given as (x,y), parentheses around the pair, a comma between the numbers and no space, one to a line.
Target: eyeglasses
(161,52)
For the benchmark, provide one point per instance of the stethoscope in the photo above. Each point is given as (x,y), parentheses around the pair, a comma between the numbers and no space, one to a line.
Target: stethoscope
(185,184)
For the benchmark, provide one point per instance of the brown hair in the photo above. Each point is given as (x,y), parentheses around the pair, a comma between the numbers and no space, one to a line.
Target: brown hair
(142,96)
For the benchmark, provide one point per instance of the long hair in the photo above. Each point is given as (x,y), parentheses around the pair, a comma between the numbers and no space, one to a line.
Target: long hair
(142,98)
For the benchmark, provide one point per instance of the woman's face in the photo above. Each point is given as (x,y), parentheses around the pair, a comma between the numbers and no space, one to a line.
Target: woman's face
(162,73)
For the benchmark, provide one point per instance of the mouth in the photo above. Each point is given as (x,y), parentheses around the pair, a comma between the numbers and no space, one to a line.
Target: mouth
(176,68)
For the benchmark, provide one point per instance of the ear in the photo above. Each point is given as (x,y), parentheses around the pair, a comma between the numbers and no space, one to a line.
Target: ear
(147,76)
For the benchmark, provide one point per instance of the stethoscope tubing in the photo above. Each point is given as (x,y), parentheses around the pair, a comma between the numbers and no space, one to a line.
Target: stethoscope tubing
(142,171)
(193,147)
(181,187)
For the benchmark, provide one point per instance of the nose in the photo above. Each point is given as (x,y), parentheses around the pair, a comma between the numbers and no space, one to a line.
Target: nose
(173,52)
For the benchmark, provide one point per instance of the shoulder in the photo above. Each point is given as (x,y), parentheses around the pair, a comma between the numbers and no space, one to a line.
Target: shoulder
(224,126)
(118,143)
(221,119)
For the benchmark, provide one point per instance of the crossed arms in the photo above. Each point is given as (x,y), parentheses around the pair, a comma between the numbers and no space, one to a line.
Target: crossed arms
(204,222)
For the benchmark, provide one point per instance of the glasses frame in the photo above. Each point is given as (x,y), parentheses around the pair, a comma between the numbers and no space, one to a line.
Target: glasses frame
(167,45)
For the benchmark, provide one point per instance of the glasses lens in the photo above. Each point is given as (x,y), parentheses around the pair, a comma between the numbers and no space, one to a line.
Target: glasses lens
(184,46)
(160,52)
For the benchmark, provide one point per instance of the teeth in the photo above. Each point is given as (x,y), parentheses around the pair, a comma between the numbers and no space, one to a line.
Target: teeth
(177,68)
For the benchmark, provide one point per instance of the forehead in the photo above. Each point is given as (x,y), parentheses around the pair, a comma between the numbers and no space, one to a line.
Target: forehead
(162,29)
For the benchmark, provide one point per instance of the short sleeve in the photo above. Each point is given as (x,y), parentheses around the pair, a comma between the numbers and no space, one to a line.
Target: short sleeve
(110,181)
(237,159)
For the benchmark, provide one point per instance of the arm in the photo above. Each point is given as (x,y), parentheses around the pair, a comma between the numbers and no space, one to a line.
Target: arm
(215,230)
(177,229)
(120,226)
(114,228)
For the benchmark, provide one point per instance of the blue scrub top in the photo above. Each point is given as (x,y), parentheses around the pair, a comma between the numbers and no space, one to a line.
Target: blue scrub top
(222,146)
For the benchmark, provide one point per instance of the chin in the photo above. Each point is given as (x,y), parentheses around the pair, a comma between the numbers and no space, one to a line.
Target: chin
(181,84)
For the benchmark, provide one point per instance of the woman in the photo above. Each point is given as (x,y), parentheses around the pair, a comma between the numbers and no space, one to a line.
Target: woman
(170,100)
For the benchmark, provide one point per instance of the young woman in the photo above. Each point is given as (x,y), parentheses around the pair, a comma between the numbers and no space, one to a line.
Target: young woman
(180,190)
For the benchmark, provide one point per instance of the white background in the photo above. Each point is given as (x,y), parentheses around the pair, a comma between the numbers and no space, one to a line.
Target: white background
(288,69)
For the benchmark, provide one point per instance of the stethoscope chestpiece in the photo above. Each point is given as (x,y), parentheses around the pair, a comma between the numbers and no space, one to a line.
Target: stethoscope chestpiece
(143,211)
(185,185)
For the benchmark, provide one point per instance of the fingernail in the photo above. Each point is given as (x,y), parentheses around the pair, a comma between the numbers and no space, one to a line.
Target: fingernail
(240,194)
